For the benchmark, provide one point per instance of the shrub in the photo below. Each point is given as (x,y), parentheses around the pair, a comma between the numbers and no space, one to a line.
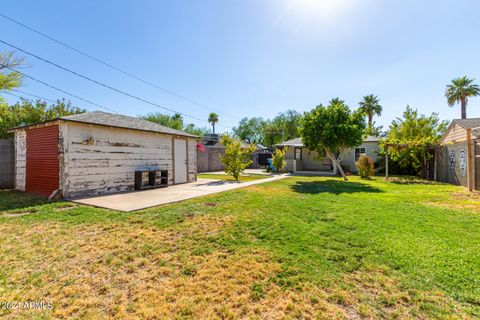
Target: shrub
(278,159)
(237,156)
(365,166)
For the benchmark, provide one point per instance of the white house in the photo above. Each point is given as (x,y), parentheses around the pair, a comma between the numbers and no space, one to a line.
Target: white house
(300,158)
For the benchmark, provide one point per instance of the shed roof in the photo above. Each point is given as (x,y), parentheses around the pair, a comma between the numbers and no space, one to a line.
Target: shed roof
(471,123)
(119,121)
(297,142)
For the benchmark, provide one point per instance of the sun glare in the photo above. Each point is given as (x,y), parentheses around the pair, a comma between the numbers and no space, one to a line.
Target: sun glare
(322,9)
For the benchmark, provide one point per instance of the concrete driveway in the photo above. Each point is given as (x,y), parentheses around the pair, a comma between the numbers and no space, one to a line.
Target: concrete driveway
(138,200)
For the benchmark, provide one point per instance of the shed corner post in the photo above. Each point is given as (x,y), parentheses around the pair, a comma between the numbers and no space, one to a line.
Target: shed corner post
(470,159)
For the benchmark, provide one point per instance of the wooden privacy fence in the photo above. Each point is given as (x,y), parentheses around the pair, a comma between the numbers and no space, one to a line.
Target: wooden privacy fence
(7,163)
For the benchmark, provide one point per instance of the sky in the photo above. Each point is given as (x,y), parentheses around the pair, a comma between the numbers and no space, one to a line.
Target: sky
(248,58)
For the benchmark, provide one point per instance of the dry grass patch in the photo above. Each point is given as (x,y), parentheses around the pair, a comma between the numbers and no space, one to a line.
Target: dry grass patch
(373,294)
(124,272)
(130,271)
(460,200)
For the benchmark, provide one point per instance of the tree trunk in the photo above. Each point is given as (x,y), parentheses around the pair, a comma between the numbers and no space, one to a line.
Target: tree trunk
(341,171)
(464,108)
(337,165)
(213,126)
(370,120)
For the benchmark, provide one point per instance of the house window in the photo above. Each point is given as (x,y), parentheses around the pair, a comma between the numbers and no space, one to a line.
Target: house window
(359,152)
(298,154)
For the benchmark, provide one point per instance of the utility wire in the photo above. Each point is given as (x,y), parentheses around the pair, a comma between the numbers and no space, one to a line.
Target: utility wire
(31,95)
(102,84)
(13,94)
(115,68)
(60,90)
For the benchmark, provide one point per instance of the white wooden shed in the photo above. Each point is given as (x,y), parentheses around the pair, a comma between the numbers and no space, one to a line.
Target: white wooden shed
(98,153)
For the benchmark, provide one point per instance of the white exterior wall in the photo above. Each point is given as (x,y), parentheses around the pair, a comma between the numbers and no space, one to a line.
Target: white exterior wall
(348,157)
(99,159)
(192,160)
(20,159)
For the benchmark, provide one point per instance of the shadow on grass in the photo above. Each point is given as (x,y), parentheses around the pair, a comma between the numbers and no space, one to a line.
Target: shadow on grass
(410,180)
(15,200)
(332,186)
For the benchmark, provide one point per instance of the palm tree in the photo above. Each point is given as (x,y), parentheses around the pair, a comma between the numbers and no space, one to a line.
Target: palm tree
(459,90)
(213,118)
(370,105)
(336,100)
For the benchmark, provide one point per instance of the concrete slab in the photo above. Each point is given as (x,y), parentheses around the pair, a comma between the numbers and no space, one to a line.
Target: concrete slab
(138,200)
(245,173)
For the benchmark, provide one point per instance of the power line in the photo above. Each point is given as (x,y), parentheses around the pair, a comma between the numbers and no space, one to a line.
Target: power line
(32,95)
(101,83)
(115,68)
(13,94)
(60,90)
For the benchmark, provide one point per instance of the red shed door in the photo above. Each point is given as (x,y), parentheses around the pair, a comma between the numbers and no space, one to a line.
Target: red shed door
(42,174)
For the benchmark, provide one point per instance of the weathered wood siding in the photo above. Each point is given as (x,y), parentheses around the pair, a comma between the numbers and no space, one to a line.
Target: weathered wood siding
(99,159)
(20,159)
(192,159)
(455,134)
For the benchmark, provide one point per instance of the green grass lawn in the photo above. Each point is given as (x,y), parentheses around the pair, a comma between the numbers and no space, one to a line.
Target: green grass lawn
(243,178)
(301,247)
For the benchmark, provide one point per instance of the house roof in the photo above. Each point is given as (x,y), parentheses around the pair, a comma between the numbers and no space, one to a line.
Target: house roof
(119,121)
(297,142)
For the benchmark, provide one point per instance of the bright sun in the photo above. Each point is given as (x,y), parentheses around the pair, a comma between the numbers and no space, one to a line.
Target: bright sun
(323,9)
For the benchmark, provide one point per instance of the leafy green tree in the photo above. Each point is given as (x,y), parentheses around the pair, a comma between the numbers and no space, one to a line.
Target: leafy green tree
(174,122)
(213,119)
(251,130)
(257,130)
(409,139)
(237,156)
(198,131)
(10,79)
(370,105)
(333,129)
(459,90)
(284,126)
(28,112)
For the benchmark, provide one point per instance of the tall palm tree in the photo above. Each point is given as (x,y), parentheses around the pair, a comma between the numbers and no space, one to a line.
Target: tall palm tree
(213,118)
(459,90)
(370,105)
